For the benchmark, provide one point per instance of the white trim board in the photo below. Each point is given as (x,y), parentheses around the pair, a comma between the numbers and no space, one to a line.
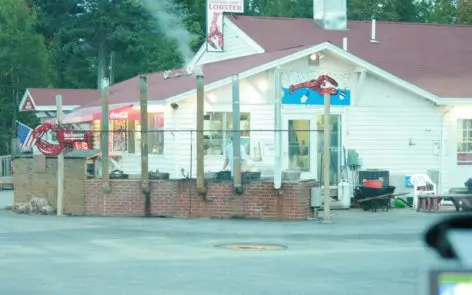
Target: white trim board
(320,47)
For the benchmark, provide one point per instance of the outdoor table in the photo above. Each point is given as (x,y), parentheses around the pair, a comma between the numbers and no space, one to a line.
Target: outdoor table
(428,203)
(462,202)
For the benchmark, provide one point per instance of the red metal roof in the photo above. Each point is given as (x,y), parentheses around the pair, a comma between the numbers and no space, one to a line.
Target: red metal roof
(161,89)
(434,57)
(70,97)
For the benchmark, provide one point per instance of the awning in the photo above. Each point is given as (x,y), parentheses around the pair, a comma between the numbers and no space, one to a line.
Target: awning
(88,114)
(126,112)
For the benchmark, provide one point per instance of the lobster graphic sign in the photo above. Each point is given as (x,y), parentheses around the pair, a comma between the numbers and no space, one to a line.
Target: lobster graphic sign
(215,10)
(312,92)
(64,137)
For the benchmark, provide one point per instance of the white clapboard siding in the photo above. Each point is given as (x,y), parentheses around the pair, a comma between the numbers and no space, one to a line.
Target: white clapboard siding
(131,163)
(185,157)
(393,129)
(449,161)
(454,175)
(236,44)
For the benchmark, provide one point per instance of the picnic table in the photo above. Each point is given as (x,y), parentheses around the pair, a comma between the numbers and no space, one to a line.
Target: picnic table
(462,203)
(461,199)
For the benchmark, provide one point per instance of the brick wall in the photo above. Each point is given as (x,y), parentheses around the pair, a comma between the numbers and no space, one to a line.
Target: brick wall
(38,178)
(179,198)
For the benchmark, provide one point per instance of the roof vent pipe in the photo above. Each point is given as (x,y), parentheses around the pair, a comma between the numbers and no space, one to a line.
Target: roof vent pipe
(345,43)
(373,33)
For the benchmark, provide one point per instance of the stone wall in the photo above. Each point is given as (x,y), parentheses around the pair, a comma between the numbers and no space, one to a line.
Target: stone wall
(179,198)
(35,179)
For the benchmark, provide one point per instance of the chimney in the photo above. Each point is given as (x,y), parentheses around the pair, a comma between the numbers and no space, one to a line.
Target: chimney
(330,14)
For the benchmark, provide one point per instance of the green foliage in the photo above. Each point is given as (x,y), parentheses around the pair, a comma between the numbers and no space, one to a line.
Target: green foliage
(464,12)
(51,43)
(25,62)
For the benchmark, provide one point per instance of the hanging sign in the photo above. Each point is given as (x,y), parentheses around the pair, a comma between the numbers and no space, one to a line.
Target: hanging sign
(63,135)
(215,10)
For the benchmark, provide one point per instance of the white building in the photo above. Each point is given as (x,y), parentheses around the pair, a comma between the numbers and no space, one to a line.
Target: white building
(405,103)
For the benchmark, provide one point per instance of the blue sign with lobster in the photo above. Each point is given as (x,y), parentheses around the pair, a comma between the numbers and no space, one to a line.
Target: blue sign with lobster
(312,92)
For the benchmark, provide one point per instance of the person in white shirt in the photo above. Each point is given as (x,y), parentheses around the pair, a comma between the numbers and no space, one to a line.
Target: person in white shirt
(229,157)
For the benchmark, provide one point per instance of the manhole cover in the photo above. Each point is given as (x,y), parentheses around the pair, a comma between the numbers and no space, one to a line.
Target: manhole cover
(252,247)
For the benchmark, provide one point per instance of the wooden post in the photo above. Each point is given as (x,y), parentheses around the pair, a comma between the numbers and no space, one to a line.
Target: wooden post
(200,140)
(105,136)
(326,156)
(144,144)
(60,161)
(236,135)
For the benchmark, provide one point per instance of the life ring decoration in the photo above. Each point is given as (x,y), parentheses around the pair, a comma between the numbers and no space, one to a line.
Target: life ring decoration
(63,136)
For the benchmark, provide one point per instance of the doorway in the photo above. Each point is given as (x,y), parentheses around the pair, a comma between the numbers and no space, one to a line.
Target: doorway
(299,145)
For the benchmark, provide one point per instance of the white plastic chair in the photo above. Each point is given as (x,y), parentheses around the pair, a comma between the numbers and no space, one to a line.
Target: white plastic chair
(422,181)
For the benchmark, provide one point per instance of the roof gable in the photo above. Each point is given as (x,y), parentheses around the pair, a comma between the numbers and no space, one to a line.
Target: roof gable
(293,54)
(237,44)
(44,99)
(429,56)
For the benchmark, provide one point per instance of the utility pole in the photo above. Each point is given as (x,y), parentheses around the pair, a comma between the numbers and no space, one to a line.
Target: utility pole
(101,56)
(326,157)
(111,68)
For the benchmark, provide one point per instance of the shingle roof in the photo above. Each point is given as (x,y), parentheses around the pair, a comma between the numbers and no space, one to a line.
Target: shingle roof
(437,58)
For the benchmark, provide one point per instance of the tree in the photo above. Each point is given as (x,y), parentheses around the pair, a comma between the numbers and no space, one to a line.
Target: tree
(25,62)
(364,9)
(464,11)
(442,12)
(86,34)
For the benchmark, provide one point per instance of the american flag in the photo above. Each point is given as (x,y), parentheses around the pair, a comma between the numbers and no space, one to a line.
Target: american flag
(24,135)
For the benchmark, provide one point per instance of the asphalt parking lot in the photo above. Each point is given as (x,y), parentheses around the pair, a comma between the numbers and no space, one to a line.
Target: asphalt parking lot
(359,253)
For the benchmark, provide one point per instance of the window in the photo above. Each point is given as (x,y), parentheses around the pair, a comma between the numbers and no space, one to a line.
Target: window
(156,133)
(120,135)
(464,142)
(96,134)
(217,135)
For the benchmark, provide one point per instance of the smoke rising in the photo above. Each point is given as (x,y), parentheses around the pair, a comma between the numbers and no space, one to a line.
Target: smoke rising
(171,24)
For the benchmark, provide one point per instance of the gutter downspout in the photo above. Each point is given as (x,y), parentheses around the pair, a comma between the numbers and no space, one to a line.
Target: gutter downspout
(278,130)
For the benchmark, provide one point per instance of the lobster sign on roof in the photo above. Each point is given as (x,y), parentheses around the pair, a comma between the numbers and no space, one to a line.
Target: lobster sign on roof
(312,92)
(215,10)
